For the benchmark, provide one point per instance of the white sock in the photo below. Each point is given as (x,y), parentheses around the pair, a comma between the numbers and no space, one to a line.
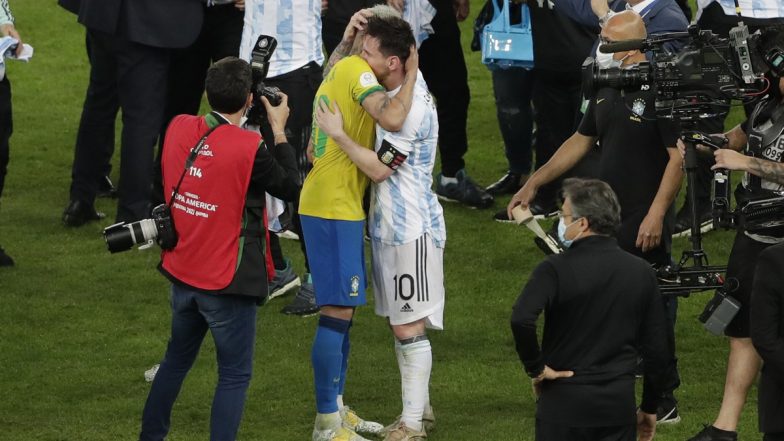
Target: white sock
(325,421)
(340,401)
(415,376)
(446,180)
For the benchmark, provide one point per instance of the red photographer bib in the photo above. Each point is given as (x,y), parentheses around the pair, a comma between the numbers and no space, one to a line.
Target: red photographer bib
(208,210)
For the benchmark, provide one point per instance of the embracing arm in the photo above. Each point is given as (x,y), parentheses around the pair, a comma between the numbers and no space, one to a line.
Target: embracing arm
(352,35)
(391,112)
(366,159)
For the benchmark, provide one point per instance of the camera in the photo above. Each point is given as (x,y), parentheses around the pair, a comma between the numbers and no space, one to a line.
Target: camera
(158,229)
(700,80)
(259,63)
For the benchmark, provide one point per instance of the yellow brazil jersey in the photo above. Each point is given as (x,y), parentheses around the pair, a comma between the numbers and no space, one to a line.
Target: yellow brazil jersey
(334,187)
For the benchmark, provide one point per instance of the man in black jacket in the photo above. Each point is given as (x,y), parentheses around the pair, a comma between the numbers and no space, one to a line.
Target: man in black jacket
(767,333)
(601,304)
(130,43)
(218,269)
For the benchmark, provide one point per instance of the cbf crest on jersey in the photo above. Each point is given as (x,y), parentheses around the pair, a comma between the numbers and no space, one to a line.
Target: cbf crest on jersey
(638,107)
(354,286)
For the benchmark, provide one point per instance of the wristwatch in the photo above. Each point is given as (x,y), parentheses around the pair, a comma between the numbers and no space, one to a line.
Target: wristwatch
(603,19)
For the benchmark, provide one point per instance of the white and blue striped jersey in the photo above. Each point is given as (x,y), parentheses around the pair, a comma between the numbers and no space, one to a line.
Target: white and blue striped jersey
(404,207)
(748,8)
(296,24)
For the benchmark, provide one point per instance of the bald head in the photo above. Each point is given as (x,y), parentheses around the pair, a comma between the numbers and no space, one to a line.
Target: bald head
(626,25)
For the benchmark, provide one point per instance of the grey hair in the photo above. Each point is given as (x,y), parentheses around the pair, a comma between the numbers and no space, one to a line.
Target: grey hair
(596,201)
(383,11)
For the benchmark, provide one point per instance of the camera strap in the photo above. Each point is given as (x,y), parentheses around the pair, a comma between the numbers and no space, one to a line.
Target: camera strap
(194,153)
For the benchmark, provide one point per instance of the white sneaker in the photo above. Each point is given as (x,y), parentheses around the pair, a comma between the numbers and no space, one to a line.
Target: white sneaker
(403,433)
(428,421)
(339,434)
(352,421)
(149,374)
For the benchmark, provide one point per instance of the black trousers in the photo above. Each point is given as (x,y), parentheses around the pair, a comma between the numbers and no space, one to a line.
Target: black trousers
(220,37)
(558,432)
(443,66)
(300,86)
(104,135)
(137,75)
(6,128)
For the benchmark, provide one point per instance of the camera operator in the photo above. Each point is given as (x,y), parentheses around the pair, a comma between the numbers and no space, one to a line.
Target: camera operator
(763,174)
(217,269)
(767,334)
(597,312)
(638,159)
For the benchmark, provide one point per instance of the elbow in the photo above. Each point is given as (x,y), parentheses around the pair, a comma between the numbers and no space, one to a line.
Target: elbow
(392,123)
(379,173)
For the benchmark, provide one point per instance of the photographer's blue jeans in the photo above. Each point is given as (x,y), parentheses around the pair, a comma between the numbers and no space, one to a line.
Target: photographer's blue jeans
(513,88)
(232,321)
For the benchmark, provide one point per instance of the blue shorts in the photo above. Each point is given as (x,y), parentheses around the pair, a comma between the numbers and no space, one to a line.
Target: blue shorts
(336,256)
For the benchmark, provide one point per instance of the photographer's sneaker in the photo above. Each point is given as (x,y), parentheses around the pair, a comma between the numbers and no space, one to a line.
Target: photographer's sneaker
(283,281)
(462,189)
(352,421)
(403,433)
(304,303)
(150,373)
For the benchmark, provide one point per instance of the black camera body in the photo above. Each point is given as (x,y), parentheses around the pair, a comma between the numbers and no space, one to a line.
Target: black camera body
(146,232)
(700,80)
(259,63)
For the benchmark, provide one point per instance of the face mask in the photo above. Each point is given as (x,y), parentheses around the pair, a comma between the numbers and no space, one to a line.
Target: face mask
(606,61)
(562,232)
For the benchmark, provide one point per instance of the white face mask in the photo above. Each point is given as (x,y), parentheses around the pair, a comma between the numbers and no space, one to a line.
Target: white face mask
(606,61)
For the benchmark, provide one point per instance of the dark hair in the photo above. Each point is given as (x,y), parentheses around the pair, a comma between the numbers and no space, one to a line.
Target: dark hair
(394,35)
(596,201)
(228,84)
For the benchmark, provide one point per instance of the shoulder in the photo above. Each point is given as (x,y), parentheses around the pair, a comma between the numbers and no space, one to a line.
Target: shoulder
(772,253)
(667,15)
(352,65)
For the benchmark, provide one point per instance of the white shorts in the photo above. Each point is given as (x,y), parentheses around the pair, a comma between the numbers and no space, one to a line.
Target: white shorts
(408,282)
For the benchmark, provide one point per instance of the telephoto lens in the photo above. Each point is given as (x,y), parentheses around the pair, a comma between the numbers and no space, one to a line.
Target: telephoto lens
(123,236)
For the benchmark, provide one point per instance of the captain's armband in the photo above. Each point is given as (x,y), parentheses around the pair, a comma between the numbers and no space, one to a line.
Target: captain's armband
(390,156)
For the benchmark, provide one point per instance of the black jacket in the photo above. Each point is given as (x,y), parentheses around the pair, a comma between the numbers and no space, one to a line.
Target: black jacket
(601,304)
(157,23)
(767,334)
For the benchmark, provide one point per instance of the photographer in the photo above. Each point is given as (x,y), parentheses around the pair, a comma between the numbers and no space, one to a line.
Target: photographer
(597,312)
(638,159)
(764,174)
(217,269)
